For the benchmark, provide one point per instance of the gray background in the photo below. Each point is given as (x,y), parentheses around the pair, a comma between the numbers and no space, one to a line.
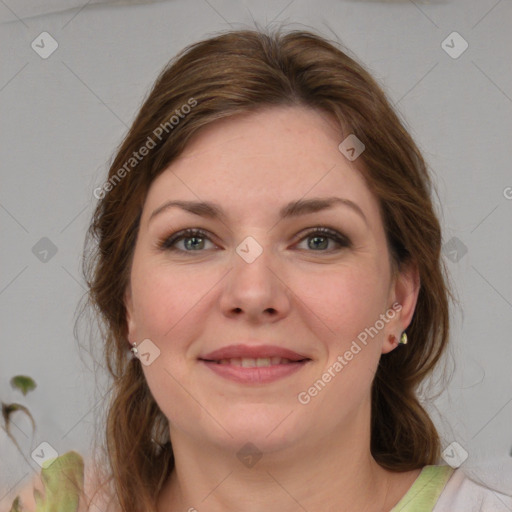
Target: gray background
(63,116)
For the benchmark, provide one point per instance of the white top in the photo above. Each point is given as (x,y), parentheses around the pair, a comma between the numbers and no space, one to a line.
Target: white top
(465,495)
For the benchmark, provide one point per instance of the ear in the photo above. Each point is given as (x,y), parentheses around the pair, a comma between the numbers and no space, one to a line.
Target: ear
(130,322)
(403,296)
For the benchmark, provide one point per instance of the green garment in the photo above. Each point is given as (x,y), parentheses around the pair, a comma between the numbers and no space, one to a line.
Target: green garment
(425,491)
(63,480)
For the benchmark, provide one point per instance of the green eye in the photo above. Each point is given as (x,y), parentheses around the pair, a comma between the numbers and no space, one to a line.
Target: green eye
(194,235)
(321,237)
(194,240)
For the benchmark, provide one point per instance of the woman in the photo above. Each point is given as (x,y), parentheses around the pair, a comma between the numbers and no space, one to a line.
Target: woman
(267,268)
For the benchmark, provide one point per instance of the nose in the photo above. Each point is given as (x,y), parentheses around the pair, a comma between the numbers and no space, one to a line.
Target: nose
(255,289)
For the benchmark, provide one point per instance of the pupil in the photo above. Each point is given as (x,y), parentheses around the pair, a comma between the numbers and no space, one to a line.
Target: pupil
(193,245)
(324,245)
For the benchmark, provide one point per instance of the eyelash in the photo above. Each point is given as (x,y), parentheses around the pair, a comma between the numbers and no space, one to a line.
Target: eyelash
(166,244)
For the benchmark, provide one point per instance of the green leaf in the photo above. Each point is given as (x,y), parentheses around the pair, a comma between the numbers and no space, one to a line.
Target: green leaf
(7,410)
(16,507)
(63,481)
(23,383)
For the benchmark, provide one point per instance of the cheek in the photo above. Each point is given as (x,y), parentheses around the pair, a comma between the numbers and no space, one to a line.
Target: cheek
(349,302)
(166,299)
(346,300)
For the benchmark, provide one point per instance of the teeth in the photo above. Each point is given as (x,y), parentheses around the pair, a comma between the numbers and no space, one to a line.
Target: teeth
(249,362)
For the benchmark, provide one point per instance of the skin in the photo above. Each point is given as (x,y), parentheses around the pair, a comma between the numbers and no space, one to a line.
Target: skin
(311,300)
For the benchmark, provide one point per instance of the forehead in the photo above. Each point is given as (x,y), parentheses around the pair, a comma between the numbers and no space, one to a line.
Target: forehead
(262,160)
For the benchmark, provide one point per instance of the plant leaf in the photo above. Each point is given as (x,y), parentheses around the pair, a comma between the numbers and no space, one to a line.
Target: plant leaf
(15,507)
(63,482)
(23,383)
(7,410)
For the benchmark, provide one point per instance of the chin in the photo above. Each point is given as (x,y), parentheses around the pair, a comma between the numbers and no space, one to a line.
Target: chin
(268,428)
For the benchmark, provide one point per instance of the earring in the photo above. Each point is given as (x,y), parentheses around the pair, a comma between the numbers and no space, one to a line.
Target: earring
(134,350)
(403,339)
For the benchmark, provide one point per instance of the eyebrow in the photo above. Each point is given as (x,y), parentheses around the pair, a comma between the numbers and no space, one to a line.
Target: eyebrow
(293,209)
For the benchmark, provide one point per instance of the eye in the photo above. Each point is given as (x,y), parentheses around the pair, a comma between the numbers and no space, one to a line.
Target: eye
(193,238)
(321,236)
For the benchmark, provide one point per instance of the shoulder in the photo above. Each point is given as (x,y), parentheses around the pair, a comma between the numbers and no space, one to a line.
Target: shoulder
(63,483)
(461,492)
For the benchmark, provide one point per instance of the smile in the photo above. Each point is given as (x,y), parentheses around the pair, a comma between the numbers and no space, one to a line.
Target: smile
(255,371)
(250,362)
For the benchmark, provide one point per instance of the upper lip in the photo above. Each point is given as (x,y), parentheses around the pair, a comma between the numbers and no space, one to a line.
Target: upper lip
(252,351)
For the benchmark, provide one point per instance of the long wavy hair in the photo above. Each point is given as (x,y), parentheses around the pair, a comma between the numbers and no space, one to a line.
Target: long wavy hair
(240,72)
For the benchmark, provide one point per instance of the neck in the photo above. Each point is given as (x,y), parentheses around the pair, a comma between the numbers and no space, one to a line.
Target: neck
(333,474)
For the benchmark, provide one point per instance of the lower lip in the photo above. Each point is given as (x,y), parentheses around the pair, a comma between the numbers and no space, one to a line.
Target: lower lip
(258,375)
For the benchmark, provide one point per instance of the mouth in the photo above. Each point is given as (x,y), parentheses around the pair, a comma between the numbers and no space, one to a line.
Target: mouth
(254,364)
(260,362)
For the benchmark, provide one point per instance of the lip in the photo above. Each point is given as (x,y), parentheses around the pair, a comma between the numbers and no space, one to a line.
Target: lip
(256,375)
(254,351)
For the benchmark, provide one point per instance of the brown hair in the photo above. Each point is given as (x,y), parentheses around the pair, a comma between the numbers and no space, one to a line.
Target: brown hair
(239,72)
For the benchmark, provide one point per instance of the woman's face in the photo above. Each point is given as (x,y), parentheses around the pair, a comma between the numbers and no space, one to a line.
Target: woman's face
(262,275)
